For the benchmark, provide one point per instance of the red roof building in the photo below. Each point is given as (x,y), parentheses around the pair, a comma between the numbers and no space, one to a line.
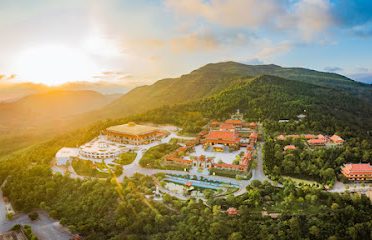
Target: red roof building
(232,211)
(320,136)
(252,125)
(235,122)
(177,160)
(214,124)
(317,142)
(309,136)
(222,137)
(230,166)
(253,136)
(290,147)
(227,127)
(336,139)
(357,171)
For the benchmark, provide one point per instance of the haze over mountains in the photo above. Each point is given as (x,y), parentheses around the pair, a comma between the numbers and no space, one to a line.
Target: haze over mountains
(42,109)
(10,92)
(262,91)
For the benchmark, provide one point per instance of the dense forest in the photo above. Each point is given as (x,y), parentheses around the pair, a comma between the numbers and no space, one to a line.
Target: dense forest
(108,210)
(320,164)
(272,98)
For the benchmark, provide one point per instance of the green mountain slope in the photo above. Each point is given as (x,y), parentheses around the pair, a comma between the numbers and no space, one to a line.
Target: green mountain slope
(213,78)
(273,98)
(46,108)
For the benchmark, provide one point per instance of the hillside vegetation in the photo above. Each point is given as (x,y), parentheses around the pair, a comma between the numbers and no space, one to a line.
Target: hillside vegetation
(273,98)
(38,117)
(214,78)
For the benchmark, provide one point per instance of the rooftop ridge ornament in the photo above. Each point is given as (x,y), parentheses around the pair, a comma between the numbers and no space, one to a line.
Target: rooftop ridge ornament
(238,115)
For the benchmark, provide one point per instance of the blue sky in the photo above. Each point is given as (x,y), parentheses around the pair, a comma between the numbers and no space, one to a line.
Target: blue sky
(141,41)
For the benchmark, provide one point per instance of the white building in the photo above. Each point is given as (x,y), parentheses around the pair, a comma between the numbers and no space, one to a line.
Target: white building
(100,149)
(65,154)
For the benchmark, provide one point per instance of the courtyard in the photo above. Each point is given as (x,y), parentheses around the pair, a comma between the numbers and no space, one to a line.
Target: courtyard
(226,156)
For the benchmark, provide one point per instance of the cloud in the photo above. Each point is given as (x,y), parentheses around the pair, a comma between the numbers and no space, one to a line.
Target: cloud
(362,77)
(363,30)
(312,17)
(333,69)
(230,13)
(193,42)
(354,17)
(253,61)
(273,49)
(361,74)
(307,18)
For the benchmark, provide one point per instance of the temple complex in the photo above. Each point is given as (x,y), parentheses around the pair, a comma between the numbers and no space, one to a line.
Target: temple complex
(219,146)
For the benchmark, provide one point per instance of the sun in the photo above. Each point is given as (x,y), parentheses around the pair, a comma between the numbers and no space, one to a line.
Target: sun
(54,64)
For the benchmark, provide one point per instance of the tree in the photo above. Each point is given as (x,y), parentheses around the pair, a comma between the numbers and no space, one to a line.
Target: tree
(236,236)
(314,230)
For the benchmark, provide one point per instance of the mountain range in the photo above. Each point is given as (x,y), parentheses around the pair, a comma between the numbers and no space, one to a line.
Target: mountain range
(10,92)
(333,102)
(213,78)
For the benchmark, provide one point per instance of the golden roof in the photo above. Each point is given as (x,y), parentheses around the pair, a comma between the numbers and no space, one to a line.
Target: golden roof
(132,129)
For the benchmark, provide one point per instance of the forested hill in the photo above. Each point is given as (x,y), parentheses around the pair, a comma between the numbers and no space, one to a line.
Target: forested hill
(48,108)
(273,98)
(213,78)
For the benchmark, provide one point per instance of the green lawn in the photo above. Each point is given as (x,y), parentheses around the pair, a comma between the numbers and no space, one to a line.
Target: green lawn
(299,181)
(153,157)
(126,158)
(87,168)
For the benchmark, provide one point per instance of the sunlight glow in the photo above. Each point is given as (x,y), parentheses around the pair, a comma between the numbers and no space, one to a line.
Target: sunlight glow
(54,64)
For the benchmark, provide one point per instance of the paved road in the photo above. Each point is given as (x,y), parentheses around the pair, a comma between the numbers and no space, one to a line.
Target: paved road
(2,209)
(258,173)
(356,187)
(45,228)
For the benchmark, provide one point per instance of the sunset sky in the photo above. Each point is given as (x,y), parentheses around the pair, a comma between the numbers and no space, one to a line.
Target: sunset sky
(142,41)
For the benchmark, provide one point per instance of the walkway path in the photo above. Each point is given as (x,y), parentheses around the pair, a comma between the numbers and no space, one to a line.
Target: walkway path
(356,187)
(2,209)
(258,172)
(45,228)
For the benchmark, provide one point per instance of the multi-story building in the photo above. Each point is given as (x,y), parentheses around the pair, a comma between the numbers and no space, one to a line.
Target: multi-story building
(357,171)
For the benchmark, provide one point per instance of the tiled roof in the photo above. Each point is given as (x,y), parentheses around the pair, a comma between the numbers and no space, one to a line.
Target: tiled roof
(233,121)
(320,136)
(227,126)
(226,165)
(222,135)
(336,139)
(132,129)
(252,124)
(290,147)
(317,141)
(253,135)
(309,136)
(357,168)
(232,211)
